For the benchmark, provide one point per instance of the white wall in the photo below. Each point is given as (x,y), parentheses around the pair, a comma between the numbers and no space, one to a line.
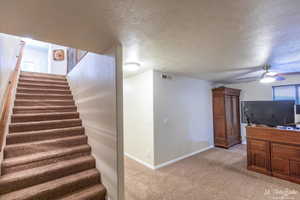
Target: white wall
(57,67)
(169,118)
(94,86)
(256,91)
(138,117)
(9,50)
(35,58)
(182,117)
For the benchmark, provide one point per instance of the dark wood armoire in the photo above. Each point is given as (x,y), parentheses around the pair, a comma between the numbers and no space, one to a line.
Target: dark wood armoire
(226,116)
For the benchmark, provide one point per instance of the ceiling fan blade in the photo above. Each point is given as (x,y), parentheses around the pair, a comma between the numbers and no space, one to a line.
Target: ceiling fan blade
(242,80)
(237,76)
(279,78)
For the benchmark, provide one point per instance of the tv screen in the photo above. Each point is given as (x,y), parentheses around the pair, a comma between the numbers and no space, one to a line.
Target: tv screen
(270,113)
(298,109)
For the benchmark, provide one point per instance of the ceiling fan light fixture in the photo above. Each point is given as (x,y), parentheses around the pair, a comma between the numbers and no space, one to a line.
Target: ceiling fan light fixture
(267,79)
(272,73)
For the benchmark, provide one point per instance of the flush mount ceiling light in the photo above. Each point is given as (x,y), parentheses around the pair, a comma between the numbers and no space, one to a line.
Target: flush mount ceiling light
(132,66)
(270,77)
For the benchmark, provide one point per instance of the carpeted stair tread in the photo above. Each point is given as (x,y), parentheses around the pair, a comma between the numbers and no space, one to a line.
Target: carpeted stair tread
(43,116)
(42,125)
(44,96)
(38,175)
(26,73)
(43,76)
(43,86)
(54,189)
(96,192)
(28,136)
(37,159)
(48,78)
(41,109)
(42,81)
(41,102)
(43,155)
(22,149)
(42,91)
(44,141)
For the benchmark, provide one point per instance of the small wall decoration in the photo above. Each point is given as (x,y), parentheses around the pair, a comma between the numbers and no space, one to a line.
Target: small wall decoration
(58,54)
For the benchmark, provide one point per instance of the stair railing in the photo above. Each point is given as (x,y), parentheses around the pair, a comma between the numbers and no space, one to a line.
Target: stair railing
(8,96)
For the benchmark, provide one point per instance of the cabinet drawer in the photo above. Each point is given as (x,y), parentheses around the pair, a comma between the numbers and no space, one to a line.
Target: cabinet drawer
(257,145)
(286,152)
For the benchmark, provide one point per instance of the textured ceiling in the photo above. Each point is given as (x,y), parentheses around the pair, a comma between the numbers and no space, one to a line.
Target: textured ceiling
(208,39)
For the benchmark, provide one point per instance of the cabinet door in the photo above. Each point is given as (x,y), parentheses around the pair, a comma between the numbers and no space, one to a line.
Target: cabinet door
(286,161)
(219,120)
(258,153)
(236,130)
(228,109)
(232,120)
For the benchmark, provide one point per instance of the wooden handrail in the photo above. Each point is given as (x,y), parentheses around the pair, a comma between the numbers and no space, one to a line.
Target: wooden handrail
(8,95)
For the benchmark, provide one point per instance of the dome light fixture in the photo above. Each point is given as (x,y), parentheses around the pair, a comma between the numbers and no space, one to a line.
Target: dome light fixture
(132,66)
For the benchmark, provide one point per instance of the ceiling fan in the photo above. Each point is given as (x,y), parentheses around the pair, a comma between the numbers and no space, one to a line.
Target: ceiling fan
(270,76)
(263,74)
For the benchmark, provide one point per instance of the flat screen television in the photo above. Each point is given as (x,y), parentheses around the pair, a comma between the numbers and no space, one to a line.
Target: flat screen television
(270,113)
(298,109)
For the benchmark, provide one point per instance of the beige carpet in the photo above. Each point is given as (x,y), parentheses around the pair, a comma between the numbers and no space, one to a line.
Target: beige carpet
(217,174)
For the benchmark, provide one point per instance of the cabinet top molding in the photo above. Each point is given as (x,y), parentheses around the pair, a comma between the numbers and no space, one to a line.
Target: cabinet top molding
(226,91)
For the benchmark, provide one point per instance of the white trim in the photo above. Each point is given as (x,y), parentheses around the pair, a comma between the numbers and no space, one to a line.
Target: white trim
(244,142)
(168,162)
(139,161)
(183,157)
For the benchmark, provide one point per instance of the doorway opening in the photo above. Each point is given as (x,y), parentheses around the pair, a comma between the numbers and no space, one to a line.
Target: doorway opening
(44,57)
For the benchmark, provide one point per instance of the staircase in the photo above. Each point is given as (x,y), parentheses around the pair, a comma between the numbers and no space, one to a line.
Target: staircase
(46,156)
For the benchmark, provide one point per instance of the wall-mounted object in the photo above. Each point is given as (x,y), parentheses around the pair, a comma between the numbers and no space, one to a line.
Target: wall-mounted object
(166,76)
(58,55)
(226,113)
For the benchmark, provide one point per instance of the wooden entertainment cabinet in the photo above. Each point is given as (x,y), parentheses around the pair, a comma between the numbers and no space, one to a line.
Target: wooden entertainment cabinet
(274,152)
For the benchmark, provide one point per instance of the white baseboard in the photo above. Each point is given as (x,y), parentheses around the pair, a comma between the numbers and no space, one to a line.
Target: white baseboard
(168,162)
(182,157)
(139,161)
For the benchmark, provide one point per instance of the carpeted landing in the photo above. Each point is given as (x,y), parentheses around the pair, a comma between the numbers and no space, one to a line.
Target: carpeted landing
(47,156)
